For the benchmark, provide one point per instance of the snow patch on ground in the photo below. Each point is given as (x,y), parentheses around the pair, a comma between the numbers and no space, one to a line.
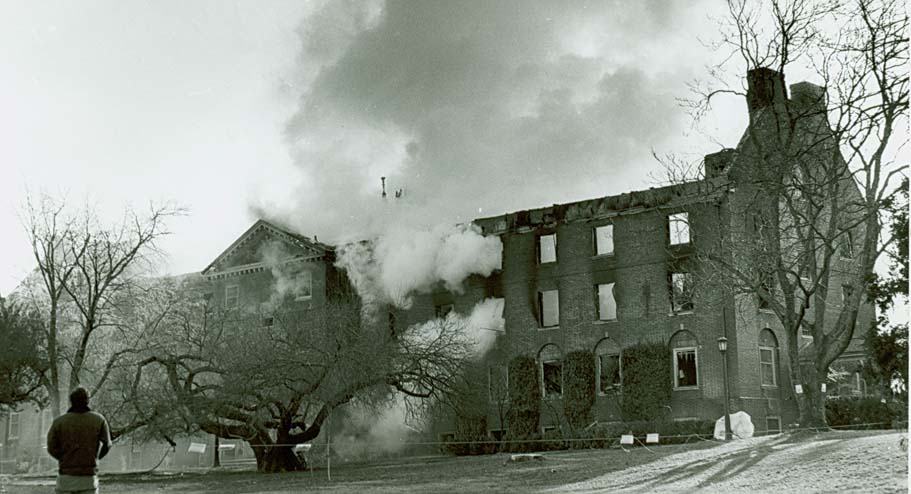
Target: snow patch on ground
(779,463)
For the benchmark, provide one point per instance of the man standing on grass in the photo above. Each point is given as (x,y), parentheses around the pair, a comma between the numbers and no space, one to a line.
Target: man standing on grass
(78,439)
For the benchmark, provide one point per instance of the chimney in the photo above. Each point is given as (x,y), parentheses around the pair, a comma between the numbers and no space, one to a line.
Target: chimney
(717,164)
(808,98)
(384,186)
(765,87)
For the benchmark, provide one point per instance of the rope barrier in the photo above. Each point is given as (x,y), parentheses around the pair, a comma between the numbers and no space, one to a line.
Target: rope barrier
(593,439)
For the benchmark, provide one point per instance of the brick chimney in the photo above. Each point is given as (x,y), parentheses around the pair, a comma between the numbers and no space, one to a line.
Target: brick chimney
(717,164)
(808,98)
(765,87)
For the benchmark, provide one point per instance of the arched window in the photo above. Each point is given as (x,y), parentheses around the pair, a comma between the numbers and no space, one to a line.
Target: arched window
(768,358)
(607,365)
(550,360)
(686,371)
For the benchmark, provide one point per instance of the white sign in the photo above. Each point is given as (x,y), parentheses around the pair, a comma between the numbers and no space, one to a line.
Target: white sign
(798,389)
(197,448)
(626,439)
(822,387)
(651,438)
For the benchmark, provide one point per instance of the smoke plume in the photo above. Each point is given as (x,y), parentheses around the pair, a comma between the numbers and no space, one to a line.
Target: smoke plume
(288,279)
(373,431)
(406,261)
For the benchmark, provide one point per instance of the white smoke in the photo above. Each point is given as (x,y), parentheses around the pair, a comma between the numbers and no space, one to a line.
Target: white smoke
(484,324)
(405,261)
(288,279)
(478,330)
(373,431)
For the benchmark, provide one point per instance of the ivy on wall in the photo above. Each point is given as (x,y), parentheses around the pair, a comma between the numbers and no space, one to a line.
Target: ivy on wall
(579,388)
(524,397)
(646,381)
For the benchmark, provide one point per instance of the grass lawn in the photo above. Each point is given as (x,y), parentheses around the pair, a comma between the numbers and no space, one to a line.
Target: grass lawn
(742,466)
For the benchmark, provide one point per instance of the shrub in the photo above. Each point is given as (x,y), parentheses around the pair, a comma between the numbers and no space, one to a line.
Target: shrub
(579,388)
(852,412)
(646,390)
(524,398)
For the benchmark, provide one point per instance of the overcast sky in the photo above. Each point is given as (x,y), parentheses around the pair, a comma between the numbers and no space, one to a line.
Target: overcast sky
(293,110)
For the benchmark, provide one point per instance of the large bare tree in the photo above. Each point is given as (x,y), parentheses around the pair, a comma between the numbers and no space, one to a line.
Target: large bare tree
(813,172)
(274,381)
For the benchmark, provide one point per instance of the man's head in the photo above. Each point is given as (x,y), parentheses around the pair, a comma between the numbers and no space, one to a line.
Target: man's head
(79,398)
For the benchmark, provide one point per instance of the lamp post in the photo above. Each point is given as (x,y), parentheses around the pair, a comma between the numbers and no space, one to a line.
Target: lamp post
(723,348)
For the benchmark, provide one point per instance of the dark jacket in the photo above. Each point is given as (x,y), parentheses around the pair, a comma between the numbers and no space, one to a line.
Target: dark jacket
(77,439)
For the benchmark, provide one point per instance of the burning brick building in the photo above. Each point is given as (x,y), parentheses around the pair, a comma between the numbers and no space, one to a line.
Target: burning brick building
(601,275)
(596,275)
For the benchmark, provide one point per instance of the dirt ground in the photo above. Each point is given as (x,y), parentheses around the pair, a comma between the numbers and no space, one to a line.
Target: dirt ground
(855,461)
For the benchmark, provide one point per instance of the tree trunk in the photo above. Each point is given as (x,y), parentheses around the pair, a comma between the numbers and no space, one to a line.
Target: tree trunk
(812,402)
(53,386)
(275,459)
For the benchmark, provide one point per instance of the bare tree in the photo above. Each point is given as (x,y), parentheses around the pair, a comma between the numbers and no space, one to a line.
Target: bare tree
(88,268)
(274,382)
(807,186)
(48,228)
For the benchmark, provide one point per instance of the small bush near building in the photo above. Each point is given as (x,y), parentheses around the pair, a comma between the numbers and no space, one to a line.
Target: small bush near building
(579,388)
(646,378)
(855,412)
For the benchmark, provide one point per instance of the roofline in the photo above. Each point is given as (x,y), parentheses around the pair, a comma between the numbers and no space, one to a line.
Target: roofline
(272,226)
(685,186)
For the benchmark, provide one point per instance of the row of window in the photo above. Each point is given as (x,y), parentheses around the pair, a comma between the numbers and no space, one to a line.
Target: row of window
(680,291)
(301,289)
(609,372)
(678,228)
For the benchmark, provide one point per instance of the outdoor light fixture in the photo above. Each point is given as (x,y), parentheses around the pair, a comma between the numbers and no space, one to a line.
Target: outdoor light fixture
(723,347)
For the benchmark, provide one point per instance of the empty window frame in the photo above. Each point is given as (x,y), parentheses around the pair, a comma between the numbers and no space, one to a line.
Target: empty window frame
(846,245)
(549,308)
(604,240)
(678,228)
(607,365)
(232,296)
(551,371)
(608,372)
(681,288)
(303,285)
(686,368)
(768,358)
(547,248)
(607,304)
